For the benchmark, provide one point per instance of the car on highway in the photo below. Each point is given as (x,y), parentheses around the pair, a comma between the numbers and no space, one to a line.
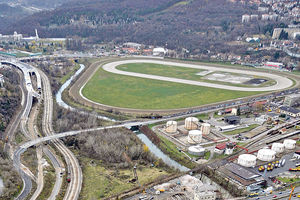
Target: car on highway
(275,196)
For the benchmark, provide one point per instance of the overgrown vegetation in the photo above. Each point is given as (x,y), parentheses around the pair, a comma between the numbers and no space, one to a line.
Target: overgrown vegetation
(10,98)
(167,147)
(108,157)
(58,70)
(11,180)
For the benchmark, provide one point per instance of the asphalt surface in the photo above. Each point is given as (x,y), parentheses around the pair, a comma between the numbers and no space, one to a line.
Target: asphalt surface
(74,170)
(281,82)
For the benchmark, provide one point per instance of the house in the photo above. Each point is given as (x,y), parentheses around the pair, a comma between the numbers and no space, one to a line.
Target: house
(293,112)
(220,148)
(273,116)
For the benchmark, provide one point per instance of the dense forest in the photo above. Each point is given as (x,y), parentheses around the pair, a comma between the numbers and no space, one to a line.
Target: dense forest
(195,25)
(114,147)
(10,98)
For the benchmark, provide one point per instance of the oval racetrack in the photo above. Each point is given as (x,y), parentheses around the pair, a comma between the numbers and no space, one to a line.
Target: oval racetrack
(281,82)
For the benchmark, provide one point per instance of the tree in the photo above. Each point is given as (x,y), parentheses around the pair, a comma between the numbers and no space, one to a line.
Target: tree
(276,55)
(283,35)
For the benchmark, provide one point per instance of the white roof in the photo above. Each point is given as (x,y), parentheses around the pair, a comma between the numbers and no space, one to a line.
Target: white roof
(159,49)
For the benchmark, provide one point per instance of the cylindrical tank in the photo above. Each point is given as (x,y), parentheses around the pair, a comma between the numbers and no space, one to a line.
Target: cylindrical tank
(196,150)
(278,147)
(266,155)
(289,143)
(205,128)
(191,123)
(247,160)
(194,137)
(171,127)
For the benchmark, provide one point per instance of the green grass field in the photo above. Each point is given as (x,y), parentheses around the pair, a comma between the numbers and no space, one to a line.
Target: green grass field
(132,92)
(100,182)
(182,73)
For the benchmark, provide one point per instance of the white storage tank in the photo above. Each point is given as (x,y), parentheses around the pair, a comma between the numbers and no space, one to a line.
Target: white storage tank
(171,127)
(266,155)
(194,137)
(247,160)
(205,128)
(289,144)
(196,150)
(278,147)
(191,123)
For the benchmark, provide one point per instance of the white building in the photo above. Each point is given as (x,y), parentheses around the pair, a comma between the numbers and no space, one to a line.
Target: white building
(245,18)
(159,51)
(292,100)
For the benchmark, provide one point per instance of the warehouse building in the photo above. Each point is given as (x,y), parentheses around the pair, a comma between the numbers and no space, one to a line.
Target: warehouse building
(293,112)
(292,100)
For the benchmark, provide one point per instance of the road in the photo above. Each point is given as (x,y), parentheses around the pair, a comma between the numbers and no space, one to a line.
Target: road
(281,82)
(74,170)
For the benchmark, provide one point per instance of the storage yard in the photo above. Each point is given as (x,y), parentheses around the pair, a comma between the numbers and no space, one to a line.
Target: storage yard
(262,161)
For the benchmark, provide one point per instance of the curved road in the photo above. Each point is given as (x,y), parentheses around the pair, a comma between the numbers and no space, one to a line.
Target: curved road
(281,82)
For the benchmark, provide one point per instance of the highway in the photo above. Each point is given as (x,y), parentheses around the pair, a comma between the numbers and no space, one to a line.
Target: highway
(27,184)
(281,82)
(74,170)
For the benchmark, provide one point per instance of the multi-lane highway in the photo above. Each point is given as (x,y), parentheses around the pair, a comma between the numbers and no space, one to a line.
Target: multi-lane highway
(74,170)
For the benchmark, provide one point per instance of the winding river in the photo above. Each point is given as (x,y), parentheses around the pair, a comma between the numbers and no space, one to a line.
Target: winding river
(61,102)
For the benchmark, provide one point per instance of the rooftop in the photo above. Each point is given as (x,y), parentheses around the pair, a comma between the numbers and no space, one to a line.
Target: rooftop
(290,109)
(241,171)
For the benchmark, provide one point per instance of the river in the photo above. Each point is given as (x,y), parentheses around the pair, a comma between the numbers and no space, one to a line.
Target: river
(153,149)
(61,102)
(158,153)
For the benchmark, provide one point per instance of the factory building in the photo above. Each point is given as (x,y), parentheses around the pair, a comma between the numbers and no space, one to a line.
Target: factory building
(232,119)
(293,112)
(274,65)
(220,148)
(292,100)
(245,177)
(159,51)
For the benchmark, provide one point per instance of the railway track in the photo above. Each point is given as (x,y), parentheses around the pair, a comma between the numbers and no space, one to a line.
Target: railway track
(74,170)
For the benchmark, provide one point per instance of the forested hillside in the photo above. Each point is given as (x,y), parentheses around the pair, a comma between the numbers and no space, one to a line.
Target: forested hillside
(195,25)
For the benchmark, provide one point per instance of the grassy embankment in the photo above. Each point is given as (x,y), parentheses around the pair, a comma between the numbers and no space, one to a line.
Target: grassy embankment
(100,182)
(131,92)
(171,150)
(69,74)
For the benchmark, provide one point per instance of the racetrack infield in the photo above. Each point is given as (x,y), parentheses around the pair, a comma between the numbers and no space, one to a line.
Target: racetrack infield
(139,93)
(92,69)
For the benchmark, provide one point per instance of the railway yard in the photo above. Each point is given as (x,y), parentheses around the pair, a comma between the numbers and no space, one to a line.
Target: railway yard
(215,132)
